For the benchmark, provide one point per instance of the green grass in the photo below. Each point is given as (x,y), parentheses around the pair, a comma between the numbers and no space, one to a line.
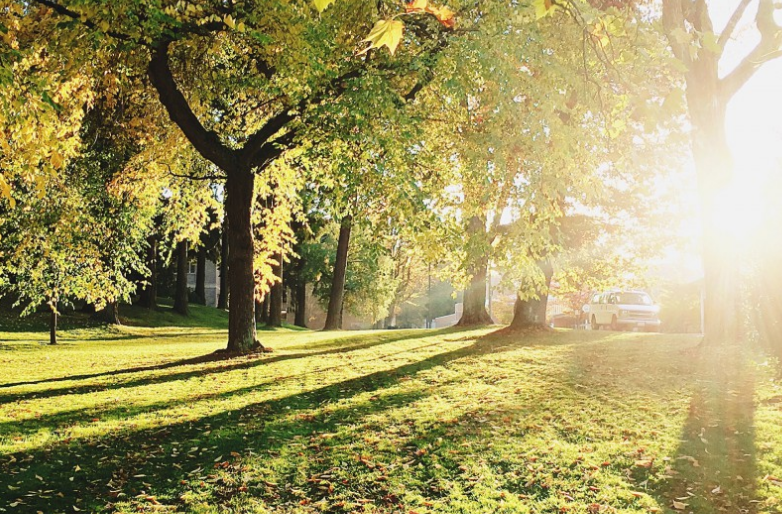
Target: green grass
(130,419)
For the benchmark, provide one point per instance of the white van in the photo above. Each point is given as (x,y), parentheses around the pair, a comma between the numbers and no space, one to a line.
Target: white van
(624,310)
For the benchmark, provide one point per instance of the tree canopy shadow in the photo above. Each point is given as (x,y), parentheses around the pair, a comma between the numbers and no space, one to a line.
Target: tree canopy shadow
(231,362)
(122,461)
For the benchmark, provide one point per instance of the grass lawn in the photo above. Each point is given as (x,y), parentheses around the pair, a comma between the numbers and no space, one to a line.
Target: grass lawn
(130,419)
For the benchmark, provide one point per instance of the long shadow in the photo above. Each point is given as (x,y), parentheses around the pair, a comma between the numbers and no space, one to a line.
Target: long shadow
(233,363)
(125,461)
(714,469)
(65,419)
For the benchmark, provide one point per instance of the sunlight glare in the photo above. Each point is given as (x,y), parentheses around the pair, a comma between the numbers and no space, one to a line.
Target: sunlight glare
(740,210)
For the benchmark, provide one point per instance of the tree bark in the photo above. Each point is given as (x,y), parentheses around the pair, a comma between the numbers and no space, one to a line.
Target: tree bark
(390,321)
(721,305)
(259,310)
(474,301)
(275,296)
(300,319)
(109,314)
(200,283)
(239,205)
(222,300)
(53,324)
(149,293)
(180,293)
(707,99)
(532,312)
(337,297)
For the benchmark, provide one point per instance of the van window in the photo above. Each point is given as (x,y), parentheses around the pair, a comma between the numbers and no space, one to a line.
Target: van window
(603,298)
(635,299)
(596,298)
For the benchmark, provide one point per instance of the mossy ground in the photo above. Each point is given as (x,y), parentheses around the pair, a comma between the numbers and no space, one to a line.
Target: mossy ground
(130,419)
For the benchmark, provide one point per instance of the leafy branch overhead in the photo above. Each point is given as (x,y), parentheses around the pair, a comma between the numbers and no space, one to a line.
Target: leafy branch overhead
(388,32)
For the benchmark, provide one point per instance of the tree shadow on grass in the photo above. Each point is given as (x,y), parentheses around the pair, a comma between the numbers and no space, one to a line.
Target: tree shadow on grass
(123,462)
(63,420)
(232,363)
(714,468)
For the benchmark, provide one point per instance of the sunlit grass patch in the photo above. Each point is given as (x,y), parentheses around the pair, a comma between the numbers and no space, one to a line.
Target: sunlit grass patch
(396,421)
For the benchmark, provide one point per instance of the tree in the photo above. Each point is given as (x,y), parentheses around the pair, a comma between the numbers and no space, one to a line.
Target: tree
(181,300)
(76,242)
(692,38)
(221,76)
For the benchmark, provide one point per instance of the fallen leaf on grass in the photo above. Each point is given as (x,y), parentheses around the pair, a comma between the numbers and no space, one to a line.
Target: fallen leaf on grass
(691,460)
(679,505)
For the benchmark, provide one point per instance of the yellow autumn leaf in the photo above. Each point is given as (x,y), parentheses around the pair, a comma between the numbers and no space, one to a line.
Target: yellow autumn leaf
(416,5)
(543,8)
(384,33)
(228,20)
(322,5)
(57,160)
(444,15)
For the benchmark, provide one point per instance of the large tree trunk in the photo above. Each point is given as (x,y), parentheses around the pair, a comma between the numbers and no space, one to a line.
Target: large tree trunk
(241,283)
(720,253)
(180,293)
(474,300)
(222,300)
(390,321)
(532,312)
(53,324)
(149,293)
(275,296)
(475,313)
(109,314)
(337,297)
(200,283)
(707,98)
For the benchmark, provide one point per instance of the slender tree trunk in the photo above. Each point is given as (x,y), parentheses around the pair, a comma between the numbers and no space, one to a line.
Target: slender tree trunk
(275,296)
(300,319)
(109,314)
(259,311)
(181,294)
(299,292)
(200,284)
(53,324)
(149,293)
(241,283)
(337,297)
(532,312)
(222,300)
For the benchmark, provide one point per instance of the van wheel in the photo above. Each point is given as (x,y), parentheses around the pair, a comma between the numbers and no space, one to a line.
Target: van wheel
(594,324)
(614,324)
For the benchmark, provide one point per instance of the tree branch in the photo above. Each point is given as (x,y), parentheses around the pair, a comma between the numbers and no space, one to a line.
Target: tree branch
(767,49)
(253,152)
(673,19)
(64,11)
(727,32)
(206,142)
